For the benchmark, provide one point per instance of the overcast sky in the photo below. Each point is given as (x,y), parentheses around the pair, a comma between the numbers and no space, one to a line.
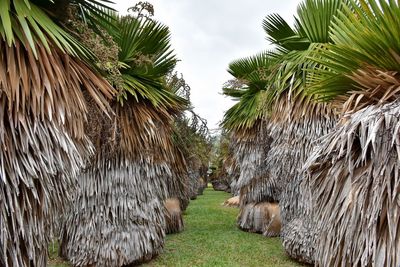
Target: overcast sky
(207,35)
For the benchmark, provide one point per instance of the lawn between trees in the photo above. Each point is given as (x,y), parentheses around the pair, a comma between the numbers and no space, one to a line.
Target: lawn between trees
(211,238)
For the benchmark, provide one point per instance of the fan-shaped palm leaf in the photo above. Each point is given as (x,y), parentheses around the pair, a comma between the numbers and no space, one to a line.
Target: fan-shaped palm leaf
(30,22)
(365,58)
(253,74)
(294,46)
(147,56)
(43,111)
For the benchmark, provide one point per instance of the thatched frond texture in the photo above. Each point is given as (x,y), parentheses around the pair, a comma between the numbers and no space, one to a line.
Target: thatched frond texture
(202,184)
(295,130)
(197,179)
(118,214)
(263,217)
(194,166)
(232,202)
(173,216)
(354,177)
(178,183)
(42,144)
(232,172)
(255,187)
(252,149)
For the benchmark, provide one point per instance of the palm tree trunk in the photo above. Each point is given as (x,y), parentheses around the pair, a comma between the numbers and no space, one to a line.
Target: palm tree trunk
(294,135)
(256,190)
(43,144)
(354,177)
(118,217)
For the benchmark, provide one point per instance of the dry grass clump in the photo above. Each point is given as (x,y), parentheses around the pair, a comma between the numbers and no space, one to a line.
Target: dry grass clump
(173,216)
(263,217)
(232,202)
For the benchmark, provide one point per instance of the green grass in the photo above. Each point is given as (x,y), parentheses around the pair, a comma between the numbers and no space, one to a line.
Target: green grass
(211,238)
(54,259)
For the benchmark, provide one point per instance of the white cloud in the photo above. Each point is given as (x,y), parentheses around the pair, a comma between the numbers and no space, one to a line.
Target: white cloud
(207,35)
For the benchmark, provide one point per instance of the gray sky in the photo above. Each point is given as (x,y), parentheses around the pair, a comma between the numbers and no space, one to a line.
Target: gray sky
(207,35)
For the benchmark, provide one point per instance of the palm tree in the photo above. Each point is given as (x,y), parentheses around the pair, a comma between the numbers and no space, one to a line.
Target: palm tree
(183,135)
(247,122)
(117,216)
(297,120)
(227,170)
(354,173)
(192,137)
(44,74)
(191,143)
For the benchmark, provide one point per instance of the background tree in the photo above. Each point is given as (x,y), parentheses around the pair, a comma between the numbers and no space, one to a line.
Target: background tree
(192,136)
(247,123)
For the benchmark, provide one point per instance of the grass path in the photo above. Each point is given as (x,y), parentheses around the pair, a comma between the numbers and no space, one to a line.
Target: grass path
(211,238)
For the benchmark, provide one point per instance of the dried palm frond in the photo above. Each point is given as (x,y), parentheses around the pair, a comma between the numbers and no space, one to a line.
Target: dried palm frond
(263,217)
(375,86)
(254,183)
(202,184)
(194,165)
(233,174)
(227,170)
(232,202)
(145,169)
(251,151)
(354,169)
(354,174)
(220,185)
(43,143)
(173,216)
(248,153)
(260,189)
(146,51)
(231,166)
(295,131)
(294,120)
(178,183)
(117,216)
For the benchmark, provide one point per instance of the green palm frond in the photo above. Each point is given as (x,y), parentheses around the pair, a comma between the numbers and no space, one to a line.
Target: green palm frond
(315,18)
(96,13)
(295,46)
(27,22)
(146,38)
(290,74)
(366,36)
(245,113)
(147,58)
(235,93)
(31,22)
(253,72)
(282,35)
(251,67)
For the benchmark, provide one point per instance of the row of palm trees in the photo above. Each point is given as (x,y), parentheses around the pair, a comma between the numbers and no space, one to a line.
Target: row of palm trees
(316,129)
(90,116)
